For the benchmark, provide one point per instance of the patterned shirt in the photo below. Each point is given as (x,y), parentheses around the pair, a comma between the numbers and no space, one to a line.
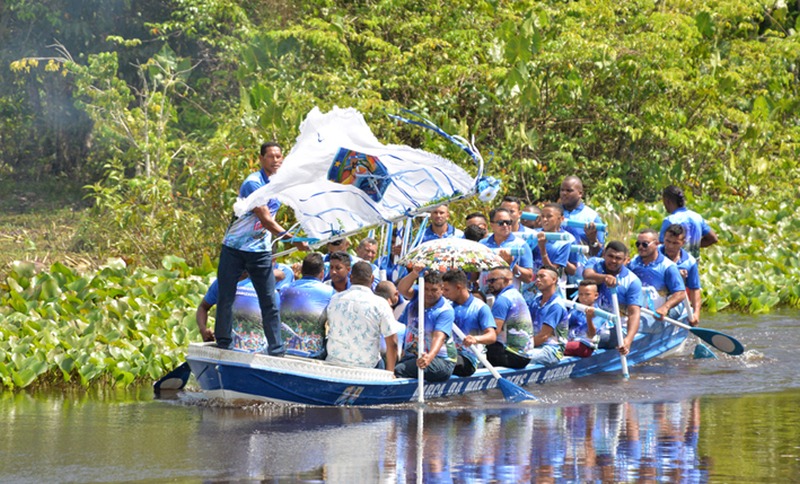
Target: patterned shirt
(302,303)
(357,319)
(246,232)
(517,333)
(438,317)
(248,332)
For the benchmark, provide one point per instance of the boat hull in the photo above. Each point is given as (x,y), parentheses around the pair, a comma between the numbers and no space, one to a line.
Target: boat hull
(236,375)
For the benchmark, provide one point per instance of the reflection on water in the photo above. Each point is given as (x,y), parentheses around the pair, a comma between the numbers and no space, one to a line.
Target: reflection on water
(61,438)
(676,420)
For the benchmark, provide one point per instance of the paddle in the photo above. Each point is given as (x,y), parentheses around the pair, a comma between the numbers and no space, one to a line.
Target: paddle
(566,223)
(174,380)
(720,341)
(421,338)
(511,392)
(618,326)
(701,350)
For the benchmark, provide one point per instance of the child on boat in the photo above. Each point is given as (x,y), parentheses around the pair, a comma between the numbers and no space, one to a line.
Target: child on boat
(582,326)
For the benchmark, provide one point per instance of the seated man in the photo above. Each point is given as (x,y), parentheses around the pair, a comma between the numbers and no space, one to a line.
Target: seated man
(612,275)
(514,345)
(582,326)
(549,318)
(388,291)
(439,357)
(339,271)
(672,248)
(356,320)
(662,284)
(512,249)
(549,253)
(302,304)
(472,316)
(248,332)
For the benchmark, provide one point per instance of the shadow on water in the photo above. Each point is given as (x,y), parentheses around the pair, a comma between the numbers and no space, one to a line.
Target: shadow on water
(675,420)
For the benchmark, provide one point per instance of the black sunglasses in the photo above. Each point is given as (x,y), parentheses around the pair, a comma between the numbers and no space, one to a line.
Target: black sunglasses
(337,242)
(502,222)
(495,279)
(643,245)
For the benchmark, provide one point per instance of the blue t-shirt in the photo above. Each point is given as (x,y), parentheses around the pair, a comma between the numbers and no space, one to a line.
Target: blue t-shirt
(579,326)
(557,250)
(473,318)
(583,214)
(429,234)
(288,276)
(694,226)
(246,232)
(553,313)
(248,332)
(659,278)
(302,303)
(517,333)
(520,251)
(629,287)
(438,317)
(688,264)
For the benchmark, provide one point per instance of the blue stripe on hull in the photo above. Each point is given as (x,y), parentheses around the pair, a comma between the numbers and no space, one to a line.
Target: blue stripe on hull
(259,383)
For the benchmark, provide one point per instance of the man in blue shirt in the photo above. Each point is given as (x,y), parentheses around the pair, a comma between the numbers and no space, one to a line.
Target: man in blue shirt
(514,345)
(612,275)
(697,232)
(438,227)
(514,206)
(672,248)
(571,198)
(472,316)
(514,250)
(247,245)
(439,358)
(302,304)
(549,316)
(662,284)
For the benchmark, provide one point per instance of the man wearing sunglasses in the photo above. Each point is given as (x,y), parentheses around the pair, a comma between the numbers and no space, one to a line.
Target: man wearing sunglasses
(662,284)
(514,250)
(610,273)
(514,345)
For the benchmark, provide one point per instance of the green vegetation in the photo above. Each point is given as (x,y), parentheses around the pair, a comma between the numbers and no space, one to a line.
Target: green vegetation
(157,109)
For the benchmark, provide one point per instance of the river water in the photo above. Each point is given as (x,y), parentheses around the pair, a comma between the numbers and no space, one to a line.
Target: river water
(733,419)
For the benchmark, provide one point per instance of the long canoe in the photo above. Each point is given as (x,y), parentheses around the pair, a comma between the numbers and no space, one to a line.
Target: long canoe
(233,376)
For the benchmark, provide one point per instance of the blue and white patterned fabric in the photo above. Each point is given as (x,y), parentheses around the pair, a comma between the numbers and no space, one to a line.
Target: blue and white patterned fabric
(473,318)
(246,232)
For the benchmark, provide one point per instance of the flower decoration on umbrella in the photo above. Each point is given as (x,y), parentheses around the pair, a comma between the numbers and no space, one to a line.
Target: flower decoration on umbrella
(453,253)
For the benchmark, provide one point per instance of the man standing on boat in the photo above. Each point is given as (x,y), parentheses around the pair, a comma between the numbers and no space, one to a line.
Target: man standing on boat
(571,198)
(514,344)
(514,250)
(662,284)
(612,275)
(672,248)
(697,231)
(439,227)
(302,304)
(472,316)
(439,358)
(247,245)
(356,320)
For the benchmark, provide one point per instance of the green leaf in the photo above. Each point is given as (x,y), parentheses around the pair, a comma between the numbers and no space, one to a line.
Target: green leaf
(704,24)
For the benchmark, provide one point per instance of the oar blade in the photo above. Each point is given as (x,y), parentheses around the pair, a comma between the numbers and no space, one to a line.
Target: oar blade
(723,342)
(701,351)
(514,393)
(174,380)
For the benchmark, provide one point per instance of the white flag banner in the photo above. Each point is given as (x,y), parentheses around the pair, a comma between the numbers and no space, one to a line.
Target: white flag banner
(339,178)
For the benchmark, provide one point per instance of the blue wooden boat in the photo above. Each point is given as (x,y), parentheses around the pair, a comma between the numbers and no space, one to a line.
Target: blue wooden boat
(236,376)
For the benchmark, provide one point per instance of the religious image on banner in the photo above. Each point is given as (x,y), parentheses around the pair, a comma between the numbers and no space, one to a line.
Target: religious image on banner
(366,172)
